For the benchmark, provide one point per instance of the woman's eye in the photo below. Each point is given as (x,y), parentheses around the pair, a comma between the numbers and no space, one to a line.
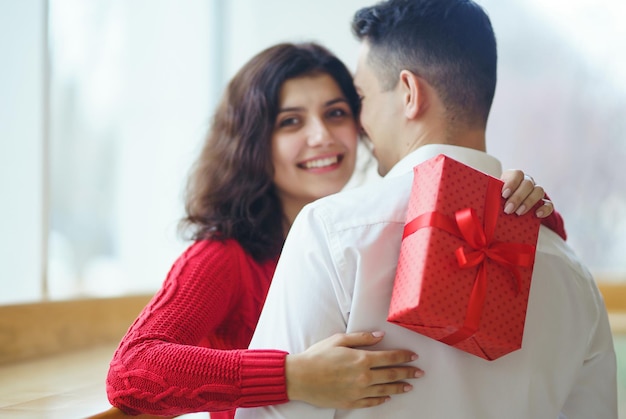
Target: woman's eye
(287,122)
(337,113)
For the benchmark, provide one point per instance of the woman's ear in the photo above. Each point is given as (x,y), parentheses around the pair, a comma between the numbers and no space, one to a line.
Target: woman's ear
(414,94)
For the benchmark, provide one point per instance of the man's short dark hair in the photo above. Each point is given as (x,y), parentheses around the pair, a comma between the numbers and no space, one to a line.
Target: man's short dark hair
(448,43)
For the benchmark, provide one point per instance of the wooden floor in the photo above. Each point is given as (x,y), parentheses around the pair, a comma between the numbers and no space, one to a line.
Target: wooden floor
(68,386)
(61,386)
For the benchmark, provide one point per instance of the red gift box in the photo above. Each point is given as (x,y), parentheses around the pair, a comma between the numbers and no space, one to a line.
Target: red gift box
(465,267)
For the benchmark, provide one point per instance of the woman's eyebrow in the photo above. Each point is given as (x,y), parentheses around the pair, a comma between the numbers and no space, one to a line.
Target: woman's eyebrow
(338,100)
(291,109)
(301,108)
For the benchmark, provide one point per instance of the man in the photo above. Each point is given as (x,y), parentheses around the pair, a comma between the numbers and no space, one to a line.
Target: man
(426,74)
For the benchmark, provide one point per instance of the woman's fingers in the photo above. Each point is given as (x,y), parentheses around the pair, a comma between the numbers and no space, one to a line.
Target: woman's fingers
(394,374)
(367,402)
(355,339)
(336,373)
(378,358)
(389,358)
(380,394)
(522,194)
(546,209)
(512,179)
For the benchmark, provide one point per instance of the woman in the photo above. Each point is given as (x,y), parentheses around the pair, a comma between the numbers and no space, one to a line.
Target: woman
(284,135)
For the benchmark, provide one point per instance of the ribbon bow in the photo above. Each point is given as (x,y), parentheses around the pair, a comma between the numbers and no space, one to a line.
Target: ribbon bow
(467,227)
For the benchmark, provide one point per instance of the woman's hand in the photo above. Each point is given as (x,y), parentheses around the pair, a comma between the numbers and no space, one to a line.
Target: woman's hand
(523,194)
(333,374)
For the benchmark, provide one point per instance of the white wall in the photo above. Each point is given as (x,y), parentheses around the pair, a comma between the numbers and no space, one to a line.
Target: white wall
(21,128)
(254,25)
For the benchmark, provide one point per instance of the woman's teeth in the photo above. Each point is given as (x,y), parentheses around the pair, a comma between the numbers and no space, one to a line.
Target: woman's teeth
(316,164)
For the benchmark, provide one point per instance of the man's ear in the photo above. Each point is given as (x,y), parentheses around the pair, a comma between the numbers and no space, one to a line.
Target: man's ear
(414,94)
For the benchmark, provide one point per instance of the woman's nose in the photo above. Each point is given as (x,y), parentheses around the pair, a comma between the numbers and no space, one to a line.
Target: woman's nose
(319,134)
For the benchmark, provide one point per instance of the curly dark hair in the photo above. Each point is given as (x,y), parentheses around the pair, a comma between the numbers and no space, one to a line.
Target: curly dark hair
(230,192)
(449,43)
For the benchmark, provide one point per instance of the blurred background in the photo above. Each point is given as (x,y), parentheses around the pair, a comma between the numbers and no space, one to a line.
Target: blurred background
(104,104)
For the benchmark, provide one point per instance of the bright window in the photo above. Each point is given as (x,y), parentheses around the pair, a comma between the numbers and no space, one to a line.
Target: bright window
(105,103)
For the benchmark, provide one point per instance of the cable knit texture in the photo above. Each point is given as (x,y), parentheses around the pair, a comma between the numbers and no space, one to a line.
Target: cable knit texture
(555,223)
(186,350)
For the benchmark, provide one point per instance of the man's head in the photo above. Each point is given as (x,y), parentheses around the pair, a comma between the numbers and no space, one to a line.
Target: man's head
(441,54)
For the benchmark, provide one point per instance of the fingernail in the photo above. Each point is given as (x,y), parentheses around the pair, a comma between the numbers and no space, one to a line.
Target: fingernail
(413,357)
(521,209)
(506,193)
(508,208)
(418,373)
(378,334)
(539,214)
(407,387)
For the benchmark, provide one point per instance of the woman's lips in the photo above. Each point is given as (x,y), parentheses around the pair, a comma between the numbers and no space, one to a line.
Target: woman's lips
(321,162)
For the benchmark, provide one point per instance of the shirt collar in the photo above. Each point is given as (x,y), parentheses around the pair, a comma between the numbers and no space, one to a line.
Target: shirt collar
(474,158)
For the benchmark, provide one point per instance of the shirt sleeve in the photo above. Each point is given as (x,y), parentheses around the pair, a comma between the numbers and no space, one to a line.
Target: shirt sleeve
(594,394)
(305,304)
(159,366)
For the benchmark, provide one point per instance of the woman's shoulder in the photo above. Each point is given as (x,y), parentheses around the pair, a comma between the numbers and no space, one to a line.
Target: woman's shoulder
(207,258)
(215,250)
(215,245)
(226,255)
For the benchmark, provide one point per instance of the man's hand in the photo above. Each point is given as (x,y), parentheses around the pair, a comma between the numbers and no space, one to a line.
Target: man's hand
(333,374)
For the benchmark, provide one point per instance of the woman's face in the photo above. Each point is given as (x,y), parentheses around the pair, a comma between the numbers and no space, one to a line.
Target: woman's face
(314,141)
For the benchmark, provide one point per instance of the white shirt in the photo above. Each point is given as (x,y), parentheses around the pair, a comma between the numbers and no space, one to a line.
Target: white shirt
(336,274)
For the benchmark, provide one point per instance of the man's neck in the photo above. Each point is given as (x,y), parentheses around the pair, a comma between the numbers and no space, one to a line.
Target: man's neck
(469,138)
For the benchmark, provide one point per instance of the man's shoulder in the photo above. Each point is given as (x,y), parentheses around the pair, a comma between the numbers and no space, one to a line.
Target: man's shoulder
(381,200)
(559,262)
(551,244)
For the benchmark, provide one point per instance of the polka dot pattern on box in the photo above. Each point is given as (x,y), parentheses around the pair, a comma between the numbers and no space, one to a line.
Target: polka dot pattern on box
(431,292)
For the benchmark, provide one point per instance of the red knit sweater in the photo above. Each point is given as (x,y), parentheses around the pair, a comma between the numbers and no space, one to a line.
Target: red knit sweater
(185,352)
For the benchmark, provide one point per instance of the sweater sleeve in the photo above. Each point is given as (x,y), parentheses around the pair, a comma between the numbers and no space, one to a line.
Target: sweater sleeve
(160,368)
(555,223)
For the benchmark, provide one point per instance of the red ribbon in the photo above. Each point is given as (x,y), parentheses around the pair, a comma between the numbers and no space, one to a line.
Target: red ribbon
(467,227)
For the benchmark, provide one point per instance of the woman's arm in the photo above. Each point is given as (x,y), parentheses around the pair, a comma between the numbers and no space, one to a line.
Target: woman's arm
(163,365)
(160,368)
